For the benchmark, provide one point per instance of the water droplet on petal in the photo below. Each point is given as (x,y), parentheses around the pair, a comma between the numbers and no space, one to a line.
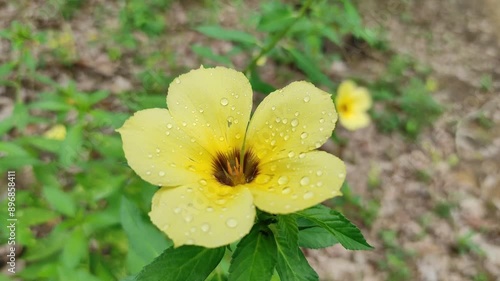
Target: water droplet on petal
(303,135)
(165,227)
(283,180)
(177,210)
(205,227)
(284,121)
(320,183)
(148,173)
(294,122)
(224,102)
(322,120)
(341,175)
(161,173)
(302,155)
(232,223)
(177,80)
(304,181)
(273,142)
(278,120)
(188,218)
(150,156)
(262,179)
(220,201)
(286,190)
(308,195)
(319,173)
(273,108)
(210,209)
(203,182)
(169,126)
(307,99)
(291,154)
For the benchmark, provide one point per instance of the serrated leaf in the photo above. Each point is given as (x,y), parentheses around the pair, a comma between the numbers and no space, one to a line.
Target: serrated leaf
(218,32)
(316,238)
(255,256)
(344,231)
(137,229)
(190,263)
(291,263)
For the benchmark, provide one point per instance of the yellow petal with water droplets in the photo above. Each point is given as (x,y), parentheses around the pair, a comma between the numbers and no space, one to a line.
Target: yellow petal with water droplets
(212,105)
(292,184)
(160,152)
(194,215)
(295,119)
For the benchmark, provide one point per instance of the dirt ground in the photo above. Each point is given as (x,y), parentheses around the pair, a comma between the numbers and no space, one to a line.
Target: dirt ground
(460,40)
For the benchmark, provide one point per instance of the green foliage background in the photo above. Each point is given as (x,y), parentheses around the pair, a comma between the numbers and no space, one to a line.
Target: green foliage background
(82,212)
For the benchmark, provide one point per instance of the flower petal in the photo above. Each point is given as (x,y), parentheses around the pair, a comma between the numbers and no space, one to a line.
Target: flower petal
(159,152)
(212,105)
(193,215)
(295,119)
(289,185)
(355,120)
(352,97)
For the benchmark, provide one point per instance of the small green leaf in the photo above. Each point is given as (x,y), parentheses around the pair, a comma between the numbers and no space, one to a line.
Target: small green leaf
(137,229)
(191,263)
(309,67)
(255,256)
(292,265)
(34,216)
(217,32)
(61,201)
(75,249)
(344,231)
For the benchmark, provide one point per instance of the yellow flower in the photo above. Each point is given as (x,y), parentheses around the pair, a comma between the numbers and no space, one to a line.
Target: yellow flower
(214,165)
(352,103)
(58,132)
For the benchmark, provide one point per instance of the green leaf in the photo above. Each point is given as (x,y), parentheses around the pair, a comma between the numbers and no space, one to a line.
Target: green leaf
(34,216)
(217,32)
(334,222)
(259,85)
(292,265)
(255,256)
(309,67)
(189,263)
(71,146)
(60,200)
(137,229)
(316,238)
(75,249)
(207,53)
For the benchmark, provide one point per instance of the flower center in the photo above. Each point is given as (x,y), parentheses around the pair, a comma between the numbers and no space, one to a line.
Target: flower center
(230,169)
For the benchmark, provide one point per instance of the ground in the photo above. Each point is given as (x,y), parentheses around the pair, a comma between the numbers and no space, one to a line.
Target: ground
(439,196)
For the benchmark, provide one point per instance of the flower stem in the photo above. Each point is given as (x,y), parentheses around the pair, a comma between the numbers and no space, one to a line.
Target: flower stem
(250,67)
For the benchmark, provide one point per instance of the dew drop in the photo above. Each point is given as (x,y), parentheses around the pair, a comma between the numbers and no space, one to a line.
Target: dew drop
(283,180)
(308,195)
(210,209)
(307,99)
(224,102)
(165,227)
(278,120)
(221,138)
(161,173)
(220,201)
(286,190)
(322,120)
(294,122)
(203,182)
(319,173)
(273,108)
(291,154)
(167,133)
(177,80)
(205,227)
(341,175)
(302,155)
(169,126)
(273,142)
(150,156)
(263,179)
(320,183)
(284,121)
(237,136)
(177,210)
(148,173)
(188,218)
(303,135)
(189,189)
(304,181)
(296,113)
(232,223)
(286,137)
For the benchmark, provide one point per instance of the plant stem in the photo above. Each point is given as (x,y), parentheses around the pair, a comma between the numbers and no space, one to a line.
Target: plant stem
(276,39)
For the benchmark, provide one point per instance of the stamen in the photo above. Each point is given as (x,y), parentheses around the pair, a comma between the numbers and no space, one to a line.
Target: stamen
(232,169)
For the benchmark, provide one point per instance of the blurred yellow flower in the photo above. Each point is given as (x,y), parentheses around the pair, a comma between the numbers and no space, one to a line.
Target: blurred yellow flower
(353,103)
(58,132)
(214,164)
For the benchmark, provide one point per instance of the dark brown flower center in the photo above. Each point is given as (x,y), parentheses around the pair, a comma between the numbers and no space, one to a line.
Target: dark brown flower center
(230,169)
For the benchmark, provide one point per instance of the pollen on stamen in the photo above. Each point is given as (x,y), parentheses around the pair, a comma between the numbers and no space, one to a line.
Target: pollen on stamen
(229,169)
